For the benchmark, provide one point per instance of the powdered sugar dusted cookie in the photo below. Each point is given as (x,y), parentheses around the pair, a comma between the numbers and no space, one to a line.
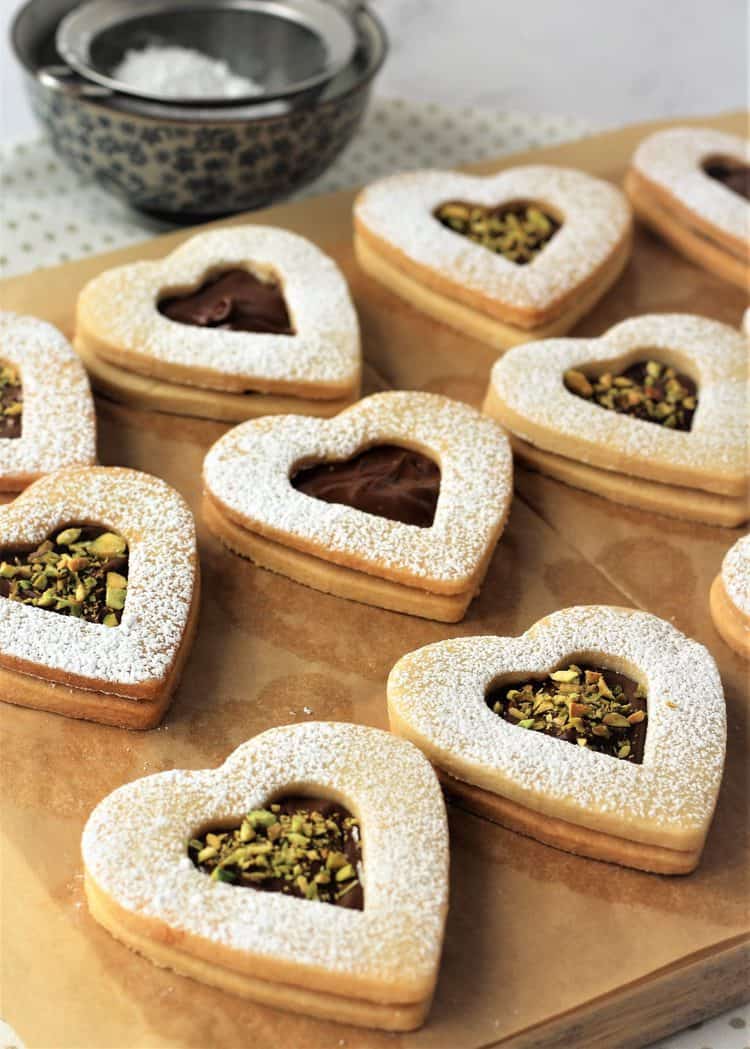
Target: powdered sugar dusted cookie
(398,502)
(730,597)
(98,595)
(692,185)
(600,731)
(505,258)
(232,324)
(160,875)
(653,413)
(47,416)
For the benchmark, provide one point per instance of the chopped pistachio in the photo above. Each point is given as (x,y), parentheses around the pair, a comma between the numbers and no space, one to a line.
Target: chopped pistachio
(648,390)
(577,382)
(108,544)
(335,860)
(68,536)
(261,818)
(616,720)
(564,675)
(517,231)
(63,575)
(578,705)
(274,857)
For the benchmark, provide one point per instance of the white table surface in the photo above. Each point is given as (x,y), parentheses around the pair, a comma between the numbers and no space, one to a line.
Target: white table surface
(602,62)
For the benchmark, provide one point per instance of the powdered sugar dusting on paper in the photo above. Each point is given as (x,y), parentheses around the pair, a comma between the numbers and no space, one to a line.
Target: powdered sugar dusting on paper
(439,691)
(673,159)
(120,306)
(58,424)
(135,848)
(160,532)
(248,472)
(595,215)
(529,380)
(735,574)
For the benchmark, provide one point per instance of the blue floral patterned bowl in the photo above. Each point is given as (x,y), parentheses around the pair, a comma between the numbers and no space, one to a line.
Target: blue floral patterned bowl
(186,162)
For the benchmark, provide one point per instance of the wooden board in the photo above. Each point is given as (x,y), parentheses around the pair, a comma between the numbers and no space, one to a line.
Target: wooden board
(542,949)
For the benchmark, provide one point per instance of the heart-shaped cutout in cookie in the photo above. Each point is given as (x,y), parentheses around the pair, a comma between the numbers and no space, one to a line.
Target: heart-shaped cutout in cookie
(691,186)
(79,571)
(78,664)
(518,232)
(589,706)
(11,402)
(653,815)
(308,847)
(47,418)
(570,231)
(528,394)
(250,490)
(375,967)
(207,344)
(386,480)
(236,300)
(647,389)
(731,173)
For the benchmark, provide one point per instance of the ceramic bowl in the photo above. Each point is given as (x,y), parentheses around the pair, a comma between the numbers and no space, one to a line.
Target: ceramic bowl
(191,163)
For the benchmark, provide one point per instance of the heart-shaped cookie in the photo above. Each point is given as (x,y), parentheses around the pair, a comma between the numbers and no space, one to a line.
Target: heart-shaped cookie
(185,334)
(253,506)
(700,473)
(47,418)
(374,967)
(120,670)
(571,232)
(730,597)
(653,815)
(692,186)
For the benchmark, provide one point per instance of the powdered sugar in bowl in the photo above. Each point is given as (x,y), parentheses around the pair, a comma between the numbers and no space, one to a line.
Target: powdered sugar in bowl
(229,149)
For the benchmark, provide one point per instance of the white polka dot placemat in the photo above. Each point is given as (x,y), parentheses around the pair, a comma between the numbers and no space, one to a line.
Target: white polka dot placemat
(48,215)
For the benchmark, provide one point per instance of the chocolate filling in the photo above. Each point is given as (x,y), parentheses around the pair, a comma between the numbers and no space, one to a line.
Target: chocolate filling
(234,301)
(82,571)
(386,480)
(646,390)
(587,705)
(300,846)
(734,176)
(11,402)
(516,231)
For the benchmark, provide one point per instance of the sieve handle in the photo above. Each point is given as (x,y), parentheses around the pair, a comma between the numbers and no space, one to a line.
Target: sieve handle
(66,81)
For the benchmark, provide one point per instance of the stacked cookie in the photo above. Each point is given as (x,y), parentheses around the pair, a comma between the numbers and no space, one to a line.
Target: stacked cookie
(234,324)
(651,414)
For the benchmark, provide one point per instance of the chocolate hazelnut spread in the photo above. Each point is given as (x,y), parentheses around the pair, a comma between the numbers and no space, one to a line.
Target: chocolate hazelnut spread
(308,847)
(386,480)
(235,301)
(588,705)
(734,176)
